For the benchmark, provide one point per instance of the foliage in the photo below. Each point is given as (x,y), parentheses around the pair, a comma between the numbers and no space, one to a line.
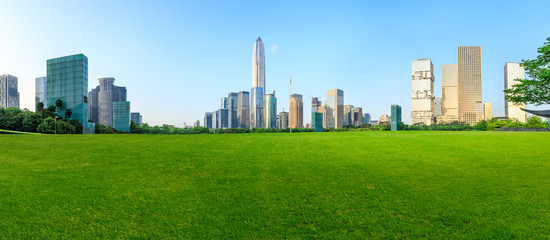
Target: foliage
(59,105)
(31,121)
(481,126)
(536,122)
(68,114)
(102,129)
(537,89)
(39,106)
(77,126)
(47,126)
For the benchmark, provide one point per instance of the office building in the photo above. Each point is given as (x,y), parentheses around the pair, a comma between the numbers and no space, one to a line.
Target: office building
(232,106)
(315,104)
(208,120)
(256,107)
(270,110)
(513,71)
(243,109)
(215,119)
(197,123)
(334,108)
(9,96)
(223,121)
(395,117)
(348,115)
(101,99)
(40,91)
(487,115)
(356,116)
(437,107)
(469,85)
(296,111)
(224,102)
(422,91)
(258,65)
(136,118)
(317,121)
(449,98)
(283,120)
(366,118)
(121,116)
(67,80)
(384,119)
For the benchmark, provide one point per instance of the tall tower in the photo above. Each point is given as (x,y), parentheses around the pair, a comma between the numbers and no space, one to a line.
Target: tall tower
(258,65)
(513,71)
(469,85)
(40,91)
(270,111)
(105,100)
(334,108)
(296,111)
(422,91)
(449,98)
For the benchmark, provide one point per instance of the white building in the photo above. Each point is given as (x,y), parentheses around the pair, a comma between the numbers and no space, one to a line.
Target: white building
(513,71)
(422,91)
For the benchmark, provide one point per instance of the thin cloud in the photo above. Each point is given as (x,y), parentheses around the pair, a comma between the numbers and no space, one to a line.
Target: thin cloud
(274,48)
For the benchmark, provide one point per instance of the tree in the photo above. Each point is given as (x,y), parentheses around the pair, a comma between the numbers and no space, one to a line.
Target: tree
(77,126)
(47,126)
(536,122)
(51,108)
(31,122)
(59,105)
(481,126)
(537,89)
(39,106)
(68,114)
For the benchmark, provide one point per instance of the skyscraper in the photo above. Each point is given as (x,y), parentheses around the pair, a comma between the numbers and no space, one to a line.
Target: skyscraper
(357,116)
(366,118)
(315,104)
(258,65)
(243,109)
(422,91)
(136,118)
(395,117)
(9,96)
(40,91)
(233,105)
(256,107)
(437,107)
(105,108)
(449,98)
(215,119)
(283,120)
(296,111)
(317,121)
(334,108)
(121,116)
(513,71)
(487,115)
(270,110)
(67,80)
(469,85)
(348,115)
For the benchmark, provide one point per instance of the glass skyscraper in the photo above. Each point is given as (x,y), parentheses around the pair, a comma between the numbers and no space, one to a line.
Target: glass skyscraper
(256,107)
(121,116)
(243,109)
(67,80)
(9,96)
(40,91)
(232,105)
(335,108)
(395,117)
(270,110)
(317,121)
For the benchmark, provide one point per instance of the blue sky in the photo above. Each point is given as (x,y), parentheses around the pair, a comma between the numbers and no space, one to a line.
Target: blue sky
(178,58)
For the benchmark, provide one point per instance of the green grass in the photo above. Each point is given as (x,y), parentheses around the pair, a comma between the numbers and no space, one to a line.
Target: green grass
(364,185)
(4,131)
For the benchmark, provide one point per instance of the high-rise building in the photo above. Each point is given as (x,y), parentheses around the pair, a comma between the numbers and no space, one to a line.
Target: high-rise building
(136,118)
(366,118)
(469,85)
(317,121)
(357,116)
(243,109)
(256,107)
(223,120)
(121,116)
(422,91)
(487,115)
(449,99)
(315,104)
(224,102)
(9,96)
(348,115)
(197,123)
(101,99)
(384,119)
(296,111)
(67,80)
(334,108)
(233,105)
(513,71)
(258,65)
(283,120)
(208,120)
(437,107)
(40,91)
(323,111)
(215,119)
(270,110)
(395,117)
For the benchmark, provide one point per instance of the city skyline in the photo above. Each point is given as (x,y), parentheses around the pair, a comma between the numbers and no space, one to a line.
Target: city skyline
(320,52)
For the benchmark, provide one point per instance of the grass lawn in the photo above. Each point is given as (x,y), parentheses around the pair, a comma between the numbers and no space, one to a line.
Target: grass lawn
(360,185)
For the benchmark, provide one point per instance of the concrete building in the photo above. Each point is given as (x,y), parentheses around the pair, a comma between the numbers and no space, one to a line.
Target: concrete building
(208,120)
(487,115)
(513,71)
(334,108)
(422,91)
(9,95)
(296,111)
(67,80)
(384,119)
(449,98)
(256,107)
(243,109)
(395,117)
(356,116)
(283,120)
(437,107)
(366,118)
(469,85)
(224,102)
(374,122)
(136,118)
(121,116)
(40,94)
(270,110)
(232,106)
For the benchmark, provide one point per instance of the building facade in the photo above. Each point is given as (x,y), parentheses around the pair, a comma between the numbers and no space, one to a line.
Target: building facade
(334,108)
(256,107)
(296,111)
(283,120)
(422,91)
(384,119)
(9,95)
(513,71)
(437,107)
(469,85)
(121,116)
(67,80)
(223,120)
(233,105)
(136,118)
(395,117)
(449,98)
(357,116)
(258,65)
(270,110)
(317,121)
(366,118)
(243,109)
(487,115)
(40,94)
(348,115)
(101,99)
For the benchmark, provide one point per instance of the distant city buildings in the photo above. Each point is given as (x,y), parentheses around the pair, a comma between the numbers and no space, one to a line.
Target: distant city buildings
(296,111)
(487,115)
(348,115)
(270,110)
(208,120)
(449,99)
(334,108)
(243,109)
(513,71)
(9,95)
(357,116)
(232,105)
(469,85)
(197,123)
(136,118)
(366,118)
(101,100)
(395,117)
(283,120)
(438,112)
(40,91)
(70,71)
(256,107)
(422,91)
(121,116)
(317,121)
(384,119)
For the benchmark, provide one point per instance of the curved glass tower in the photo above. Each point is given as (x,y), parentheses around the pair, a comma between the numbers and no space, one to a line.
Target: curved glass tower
(258,85)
